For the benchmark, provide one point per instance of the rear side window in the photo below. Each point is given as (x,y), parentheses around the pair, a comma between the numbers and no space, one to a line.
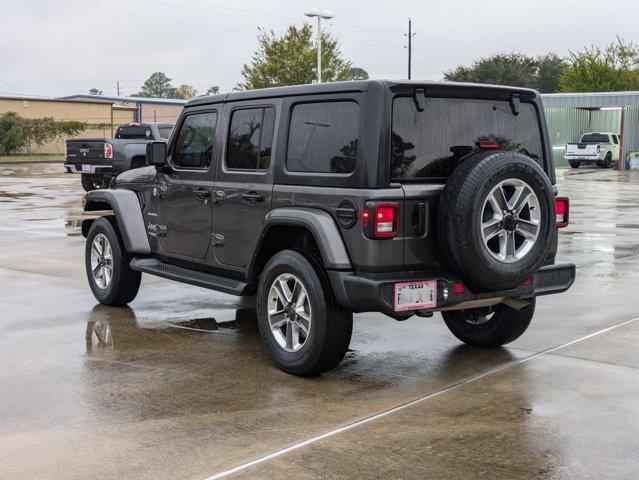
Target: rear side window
(433,142)
(323,137)
(194,142)
(134,132)
(165,132)
(250,139)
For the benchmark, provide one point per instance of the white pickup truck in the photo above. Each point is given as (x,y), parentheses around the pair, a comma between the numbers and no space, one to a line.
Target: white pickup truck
(600,148)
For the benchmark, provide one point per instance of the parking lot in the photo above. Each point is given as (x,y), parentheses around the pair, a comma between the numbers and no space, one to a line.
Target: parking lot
(179,386)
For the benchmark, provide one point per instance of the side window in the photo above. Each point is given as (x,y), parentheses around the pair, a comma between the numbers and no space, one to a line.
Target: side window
(323,137)
(194,142)
(615,139)
(250,139)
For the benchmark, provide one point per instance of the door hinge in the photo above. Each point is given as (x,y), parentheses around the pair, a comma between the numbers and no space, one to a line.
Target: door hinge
(218,240)
(218,196)
(157,230)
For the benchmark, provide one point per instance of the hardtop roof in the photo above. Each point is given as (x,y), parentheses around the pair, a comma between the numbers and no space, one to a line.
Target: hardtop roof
(346,87)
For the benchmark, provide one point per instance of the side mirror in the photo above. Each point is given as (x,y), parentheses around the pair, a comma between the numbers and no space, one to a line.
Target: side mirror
(156,154)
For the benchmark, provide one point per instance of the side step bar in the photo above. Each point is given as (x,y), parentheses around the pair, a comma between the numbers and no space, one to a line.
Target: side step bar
(192,277)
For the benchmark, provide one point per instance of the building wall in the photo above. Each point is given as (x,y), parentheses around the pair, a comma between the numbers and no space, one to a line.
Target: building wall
(155,112)
(82,111)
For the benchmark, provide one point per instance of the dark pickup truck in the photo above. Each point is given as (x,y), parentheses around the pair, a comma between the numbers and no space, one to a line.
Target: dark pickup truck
(100,159)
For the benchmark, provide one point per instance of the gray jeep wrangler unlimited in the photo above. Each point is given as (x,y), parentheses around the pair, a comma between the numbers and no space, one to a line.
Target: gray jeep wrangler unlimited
(405,198)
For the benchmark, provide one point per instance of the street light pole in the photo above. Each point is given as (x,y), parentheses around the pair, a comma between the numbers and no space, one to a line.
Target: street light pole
(326,15)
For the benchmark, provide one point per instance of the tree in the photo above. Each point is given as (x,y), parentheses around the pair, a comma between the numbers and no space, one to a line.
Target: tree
(214,90)
(356,73)
(541,73)
(616,68)
(95,91)
(158,85)
(13,135)
(291,59)
(187,91)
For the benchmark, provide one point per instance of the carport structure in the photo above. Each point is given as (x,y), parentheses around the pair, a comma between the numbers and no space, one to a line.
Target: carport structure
(569,115)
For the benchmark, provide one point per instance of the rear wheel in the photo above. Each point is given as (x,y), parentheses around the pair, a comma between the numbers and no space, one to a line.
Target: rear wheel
(94,182)
(303,328)
(111,279)
(574,163)
(489,327)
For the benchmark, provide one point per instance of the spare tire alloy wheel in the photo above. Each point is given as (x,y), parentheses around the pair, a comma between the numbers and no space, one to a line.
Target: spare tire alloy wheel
(510,220)
(289,312)
(496,219)
(101,261)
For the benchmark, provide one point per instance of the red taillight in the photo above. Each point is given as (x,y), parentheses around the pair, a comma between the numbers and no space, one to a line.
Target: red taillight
(562,208)
(386,220)
(528,282)
(108,150)
(134,124)
(458,288)
(489,144)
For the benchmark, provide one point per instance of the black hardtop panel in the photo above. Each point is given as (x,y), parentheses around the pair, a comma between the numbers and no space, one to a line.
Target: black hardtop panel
(474,90)
(294,90)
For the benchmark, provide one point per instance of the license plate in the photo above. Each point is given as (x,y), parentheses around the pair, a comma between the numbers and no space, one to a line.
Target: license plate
(415,295)
(86,168)
(582,158)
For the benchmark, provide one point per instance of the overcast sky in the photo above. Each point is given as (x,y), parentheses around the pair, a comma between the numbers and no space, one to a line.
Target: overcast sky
(58,47)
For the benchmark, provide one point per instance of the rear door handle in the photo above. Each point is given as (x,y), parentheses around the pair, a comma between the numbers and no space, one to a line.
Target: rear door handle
(202,192)
(253,197)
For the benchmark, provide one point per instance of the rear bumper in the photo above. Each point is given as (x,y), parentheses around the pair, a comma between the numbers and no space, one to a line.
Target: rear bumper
(94,169)
(374,293)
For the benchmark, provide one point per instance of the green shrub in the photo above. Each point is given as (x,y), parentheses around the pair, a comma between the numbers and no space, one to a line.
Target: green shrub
(13,134)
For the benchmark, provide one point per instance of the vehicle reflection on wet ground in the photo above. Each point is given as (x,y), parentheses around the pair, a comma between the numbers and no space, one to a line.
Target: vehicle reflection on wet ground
(179,386)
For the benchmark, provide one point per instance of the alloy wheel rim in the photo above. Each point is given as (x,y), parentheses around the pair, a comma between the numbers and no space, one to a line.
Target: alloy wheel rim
(510,221)
(101,261)
(289,312)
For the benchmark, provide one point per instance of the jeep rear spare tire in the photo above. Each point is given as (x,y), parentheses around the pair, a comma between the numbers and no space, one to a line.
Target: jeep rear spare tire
(496,219)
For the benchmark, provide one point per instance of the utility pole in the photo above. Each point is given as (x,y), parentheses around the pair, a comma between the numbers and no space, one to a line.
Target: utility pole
(410,36)
(118,85)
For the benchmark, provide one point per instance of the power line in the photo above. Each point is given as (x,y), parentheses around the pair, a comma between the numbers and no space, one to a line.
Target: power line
(8,86)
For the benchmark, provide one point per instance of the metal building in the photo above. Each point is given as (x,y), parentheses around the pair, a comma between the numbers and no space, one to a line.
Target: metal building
(570,115)
(146,109)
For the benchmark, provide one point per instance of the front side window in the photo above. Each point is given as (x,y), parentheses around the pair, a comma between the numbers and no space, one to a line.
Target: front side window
(615,139)
(250,139)
(194,142)
(323,137)
(433,142)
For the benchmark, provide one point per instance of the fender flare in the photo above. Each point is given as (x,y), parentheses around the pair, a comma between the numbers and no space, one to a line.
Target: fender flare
(321,225)
(128,214)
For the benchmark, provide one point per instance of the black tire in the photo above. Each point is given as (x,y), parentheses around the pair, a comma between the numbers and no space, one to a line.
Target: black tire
(94,182)
(477,327)
(125,282)
(574,163)
(608,160)
(331,326)
(462,210)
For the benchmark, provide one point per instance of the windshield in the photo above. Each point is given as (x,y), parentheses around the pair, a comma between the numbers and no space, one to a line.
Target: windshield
(594,138)
(134,132)
(432,143)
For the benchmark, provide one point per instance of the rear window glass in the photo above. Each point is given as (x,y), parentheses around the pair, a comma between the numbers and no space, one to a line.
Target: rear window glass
(323,137)
(595,138)
(165,132)
(133,132)
(432,143)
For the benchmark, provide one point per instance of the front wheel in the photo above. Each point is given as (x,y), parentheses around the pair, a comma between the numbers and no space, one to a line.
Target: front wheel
(305,331)
(489,327)
(94,182)
(111,279)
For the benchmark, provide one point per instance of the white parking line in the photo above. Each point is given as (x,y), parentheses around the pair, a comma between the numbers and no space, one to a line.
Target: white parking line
(330,433)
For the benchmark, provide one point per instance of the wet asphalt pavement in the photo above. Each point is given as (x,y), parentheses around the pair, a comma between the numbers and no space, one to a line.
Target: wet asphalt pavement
(179,386)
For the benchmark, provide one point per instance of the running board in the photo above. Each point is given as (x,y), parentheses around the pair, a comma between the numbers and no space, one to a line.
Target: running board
(192,277)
